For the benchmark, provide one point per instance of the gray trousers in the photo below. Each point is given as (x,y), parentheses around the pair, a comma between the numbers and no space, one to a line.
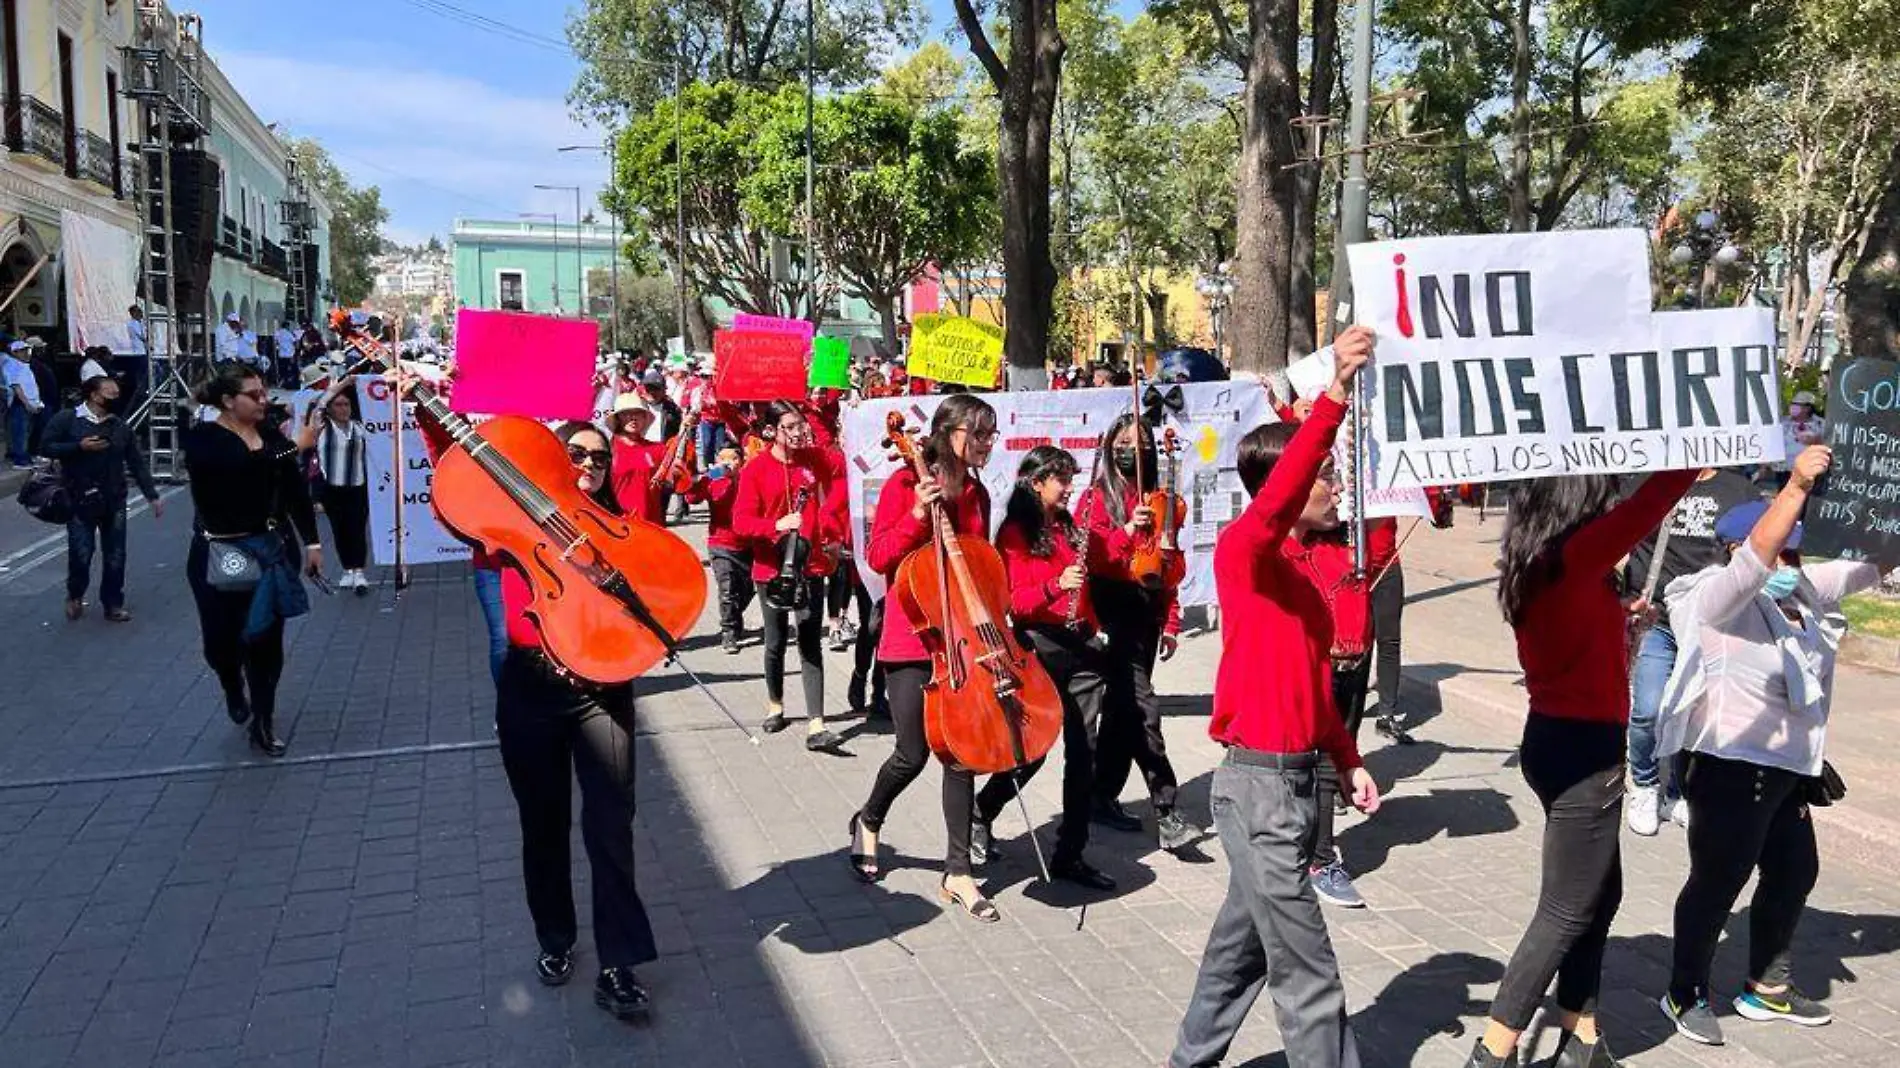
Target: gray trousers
(1269,931)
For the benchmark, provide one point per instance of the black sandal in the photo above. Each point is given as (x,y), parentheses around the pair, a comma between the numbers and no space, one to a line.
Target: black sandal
(982,910)
(863,865)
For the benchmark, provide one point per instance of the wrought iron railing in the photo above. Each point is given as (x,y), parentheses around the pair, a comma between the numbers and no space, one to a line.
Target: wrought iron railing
(228,237)
(45,131)
(95,159)
(275,261)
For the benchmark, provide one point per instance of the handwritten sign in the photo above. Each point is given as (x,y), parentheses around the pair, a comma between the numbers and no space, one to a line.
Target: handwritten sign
(511,363)
(1513,356)
(1854,513)
(759,366)
(950,348)
(768,324)
(830,363)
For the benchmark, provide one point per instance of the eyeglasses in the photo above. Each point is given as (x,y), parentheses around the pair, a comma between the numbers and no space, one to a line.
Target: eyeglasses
(597,457)
(984,436)
(258,395)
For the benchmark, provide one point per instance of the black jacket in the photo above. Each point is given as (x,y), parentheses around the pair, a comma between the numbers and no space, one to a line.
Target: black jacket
(96,480)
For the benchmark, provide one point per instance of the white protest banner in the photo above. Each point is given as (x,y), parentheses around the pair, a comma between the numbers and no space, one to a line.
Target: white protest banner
(425,539)
(1213,418)
(1512,356)
(1311,377)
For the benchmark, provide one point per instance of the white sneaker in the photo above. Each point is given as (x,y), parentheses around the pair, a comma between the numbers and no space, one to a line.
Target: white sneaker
(1679,812)
(1645,810)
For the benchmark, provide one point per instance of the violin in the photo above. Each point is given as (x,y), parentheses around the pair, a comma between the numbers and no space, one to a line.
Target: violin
(610,596)
(989,706)
(679,458)
(1158,562)
(788,591)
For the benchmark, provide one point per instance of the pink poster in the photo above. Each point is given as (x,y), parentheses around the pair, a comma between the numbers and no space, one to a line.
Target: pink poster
(766,324)
(512,363)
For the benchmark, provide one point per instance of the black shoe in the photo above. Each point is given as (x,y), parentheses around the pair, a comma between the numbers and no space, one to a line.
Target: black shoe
(1482,1058)
(236,707)
(774,724)
(983,848)
(730,643)
(1081,873)
(1110,813)
(1389,728)
(854,694)
(1574,1054)
(265,741)
(823,741)
(621,994)
(1175,832)
(555,969)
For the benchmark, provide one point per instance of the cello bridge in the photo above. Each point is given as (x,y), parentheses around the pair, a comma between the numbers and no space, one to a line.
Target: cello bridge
(579,542)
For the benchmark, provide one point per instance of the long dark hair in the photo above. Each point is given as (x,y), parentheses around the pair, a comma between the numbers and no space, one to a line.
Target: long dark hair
(228,382)
(1543,514)
(1108,477)
(957,410)
(1025,507)
(604,496)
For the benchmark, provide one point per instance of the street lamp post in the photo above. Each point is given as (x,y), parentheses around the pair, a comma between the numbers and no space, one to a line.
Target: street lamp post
(612,148)
(1217,288)
(1706,243)
(554,224)
(580,265)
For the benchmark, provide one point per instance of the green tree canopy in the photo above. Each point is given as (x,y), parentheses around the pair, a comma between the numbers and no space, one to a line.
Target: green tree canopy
(356,219)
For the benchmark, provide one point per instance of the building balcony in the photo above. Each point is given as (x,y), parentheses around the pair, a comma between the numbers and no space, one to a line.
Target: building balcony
(274,260)
(228,238)
(247,244)
(95,160)
(43,131)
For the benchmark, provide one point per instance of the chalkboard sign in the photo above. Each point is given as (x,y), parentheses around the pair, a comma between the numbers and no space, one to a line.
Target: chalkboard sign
(1854,513)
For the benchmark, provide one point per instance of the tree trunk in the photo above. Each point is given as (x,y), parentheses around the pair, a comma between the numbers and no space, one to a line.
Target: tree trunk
(699,324)
(1872,291)
(1303,328)
(1023,163)
(1265,188)
(1157,299)
(1519,188)
(887,318)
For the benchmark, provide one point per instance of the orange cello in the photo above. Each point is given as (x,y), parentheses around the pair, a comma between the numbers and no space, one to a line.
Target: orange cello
(1158,562)
(989,706)
(679,459)
(611,596)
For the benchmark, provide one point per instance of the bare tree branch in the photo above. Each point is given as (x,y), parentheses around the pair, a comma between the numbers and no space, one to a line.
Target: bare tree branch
(980,44)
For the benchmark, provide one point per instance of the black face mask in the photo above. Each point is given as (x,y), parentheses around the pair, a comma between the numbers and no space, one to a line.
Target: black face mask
(1125,460)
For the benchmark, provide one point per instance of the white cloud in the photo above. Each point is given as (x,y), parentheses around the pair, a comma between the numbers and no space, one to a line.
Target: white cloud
(438,145)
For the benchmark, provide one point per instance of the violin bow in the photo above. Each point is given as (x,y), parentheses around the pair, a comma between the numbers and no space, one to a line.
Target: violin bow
(397,461)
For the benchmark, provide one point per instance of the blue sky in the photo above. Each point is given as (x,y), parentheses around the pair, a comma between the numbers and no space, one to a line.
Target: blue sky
(447,119)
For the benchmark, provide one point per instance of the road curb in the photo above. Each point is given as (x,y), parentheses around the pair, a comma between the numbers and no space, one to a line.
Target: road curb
(1868,651)
(1854,833)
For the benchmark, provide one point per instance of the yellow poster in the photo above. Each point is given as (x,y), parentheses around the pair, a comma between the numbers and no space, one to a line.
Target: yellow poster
(950,348)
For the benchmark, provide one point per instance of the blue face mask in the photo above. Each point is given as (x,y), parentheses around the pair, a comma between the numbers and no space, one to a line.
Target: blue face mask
(1782,583)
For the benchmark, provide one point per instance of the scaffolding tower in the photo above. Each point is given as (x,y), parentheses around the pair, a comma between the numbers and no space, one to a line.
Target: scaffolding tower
(300,222)
(162,72)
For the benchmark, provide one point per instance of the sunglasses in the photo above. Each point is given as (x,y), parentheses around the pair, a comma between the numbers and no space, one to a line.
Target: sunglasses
(598,457)
(259,395)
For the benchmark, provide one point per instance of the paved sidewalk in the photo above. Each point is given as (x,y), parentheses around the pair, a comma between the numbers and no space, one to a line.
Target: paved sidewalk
(164,899)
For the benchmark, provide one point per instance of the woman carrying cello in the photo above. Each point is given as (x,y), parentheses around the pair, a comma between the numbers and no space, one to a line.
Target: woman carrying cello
(1142,624)
(962,433)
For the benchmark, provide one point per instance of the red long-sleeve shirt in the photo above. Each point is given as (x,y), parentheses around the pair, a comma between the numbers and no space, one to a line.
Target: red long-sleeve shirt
(633,479)
(1034,597)
(719,495)
(1571,639)
(1119,549)
(896,533)
(1328,561)
(767,487)
(1273,689)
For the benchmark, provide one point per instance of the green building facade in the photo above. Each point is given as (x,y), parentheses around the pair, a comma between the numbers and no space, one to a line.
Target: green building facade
(532,265)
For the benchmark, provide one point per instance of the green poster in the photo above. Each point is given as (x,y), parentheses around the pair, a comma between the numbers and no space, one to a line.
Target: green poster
(830,362)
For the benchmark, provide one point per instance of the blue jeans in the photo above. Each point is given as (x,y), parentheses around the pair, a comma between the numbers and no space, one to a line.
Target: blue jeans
(488,592)
(83,538)
(711,435)
(19,428)
(1655,659)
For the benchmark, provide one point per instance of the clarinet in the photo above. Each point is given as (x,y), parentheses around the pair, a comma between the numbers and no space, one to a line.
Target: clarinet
(1079,538)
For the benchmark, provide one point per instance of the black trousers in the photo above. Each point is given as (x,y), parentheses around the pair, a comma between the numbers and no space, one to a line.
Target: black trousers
(348,509)
(1388,608)
(809,628)
(1576,769)
(1349,697)
(1742,817)
(246,670)
(1081,673)
(733,570)
(552,733)
(102,533)
(866,672)
(905,683)
(1131,716)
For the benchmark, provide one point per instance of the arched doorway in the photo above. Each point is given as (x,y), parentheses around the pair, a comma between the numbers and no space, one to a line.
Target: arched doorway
(36,304)
(225,308)
(244,313)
